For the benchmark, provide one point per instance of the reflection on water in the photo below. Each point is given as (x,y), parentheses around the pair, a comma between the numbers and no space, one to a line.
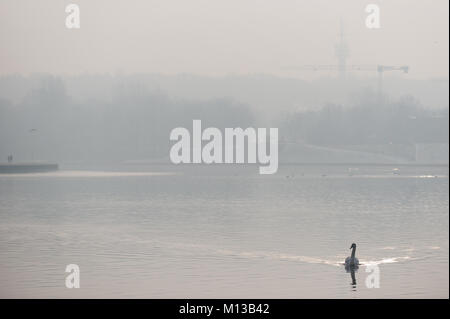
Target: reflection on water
(352,271)
(194,231)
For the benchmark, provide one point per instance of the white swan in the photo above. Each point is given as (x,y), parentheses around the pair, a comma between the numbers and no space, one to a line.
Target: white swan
(352,261)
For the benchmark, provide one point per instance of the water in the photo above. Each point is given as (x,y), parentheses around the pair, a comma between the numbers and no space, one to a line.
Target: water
(218,231)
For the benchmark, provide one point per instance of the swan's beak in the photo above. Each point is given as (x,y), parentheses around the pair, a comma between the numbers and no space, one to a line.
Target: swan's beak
(350,247)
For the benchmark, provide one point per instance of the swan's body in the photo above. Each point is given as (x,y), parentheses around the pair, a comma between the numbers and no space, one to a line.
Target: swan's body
(352,261)
(349,261)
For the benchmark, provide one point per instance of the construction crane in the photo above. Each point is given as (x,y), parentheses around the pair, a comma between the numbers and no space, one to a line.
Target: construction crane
(380,69)
(342,54)
(383,68)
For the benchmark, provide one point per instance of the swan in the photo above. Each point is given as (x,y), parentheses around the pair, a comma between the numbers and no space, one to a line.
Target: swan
(352,261)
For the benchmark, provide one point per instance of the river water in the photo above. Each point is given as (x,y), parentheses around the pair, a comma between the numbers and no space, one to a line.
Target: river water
(166,231)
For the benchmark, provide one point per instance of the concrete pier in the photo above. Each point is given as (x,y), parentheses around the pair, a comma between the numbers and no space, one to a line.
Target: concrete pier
(13,168)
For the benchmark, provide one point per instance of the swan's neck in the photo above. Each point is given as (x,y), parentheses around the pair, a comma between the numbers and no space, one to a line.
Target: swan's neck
(353,252)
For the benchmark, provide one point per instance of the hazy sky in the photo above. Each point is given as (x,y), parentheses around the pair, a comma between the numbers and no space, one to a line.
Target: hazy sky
(213,37)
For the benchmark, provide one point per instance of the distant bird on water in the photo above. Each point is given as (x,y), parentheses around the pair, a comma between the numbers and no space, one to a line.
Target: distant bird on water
(352,261)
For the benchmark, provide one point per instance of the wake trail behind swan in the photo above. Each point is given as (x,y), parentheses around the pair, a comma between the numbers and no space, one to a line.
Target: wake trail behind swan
(271,255)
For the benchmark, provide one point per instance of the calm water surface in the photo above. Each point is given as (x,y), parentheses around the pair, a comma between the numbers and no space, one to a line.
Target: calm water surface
(217,232)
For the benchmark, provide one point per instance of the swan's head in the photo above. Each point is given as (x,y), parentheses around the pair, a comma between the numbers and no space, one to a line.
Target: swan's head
(353,246)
